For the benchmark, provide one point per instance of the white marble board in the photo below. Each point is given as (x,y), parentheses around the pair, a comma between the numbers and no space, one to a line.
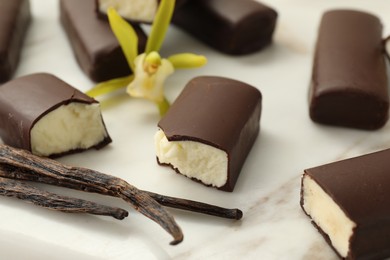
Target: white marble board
(273,227)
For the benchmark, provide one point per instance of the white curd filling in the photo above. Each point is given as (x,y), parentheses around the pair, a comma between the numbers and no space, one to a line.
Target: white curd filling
(137,10)
(327,215)
(73,126)
(193,159)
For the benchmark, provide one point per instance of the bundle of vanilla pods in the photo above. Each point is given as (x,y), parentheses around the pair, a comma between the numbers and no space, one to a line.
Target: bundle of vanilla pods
(18,166)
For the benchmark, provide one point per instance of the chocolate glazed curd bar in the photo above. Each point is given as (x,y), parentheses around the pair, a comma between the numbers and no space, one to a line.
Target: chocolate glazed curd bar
(15,18)
(43,114)
(209,130)
(229,26)
(96,49)
(349,202)
(349,85)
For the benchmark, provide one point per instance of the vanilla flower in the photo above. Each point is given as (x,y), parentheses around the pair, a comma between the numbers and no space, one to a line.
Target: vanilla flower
(150,74)
(150,70)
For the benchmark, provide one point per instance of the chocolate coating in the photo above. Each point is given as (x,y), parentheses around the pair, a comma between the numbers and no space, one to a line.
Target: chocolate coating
(15,19)
(95,46)
(349,84)
(360,187)
(230,26)
(25,100)
(220,112)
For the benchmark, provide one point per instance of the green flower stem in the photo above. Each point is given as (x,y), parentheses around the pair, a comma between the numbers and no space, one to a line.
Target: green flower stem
(109,86)
(163,106)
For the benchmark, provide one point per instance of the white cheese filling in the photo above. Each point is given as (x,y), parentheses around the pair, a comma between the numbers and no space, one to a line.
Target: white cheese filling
(137,10)
(193,159)
(327,215)
(73,126)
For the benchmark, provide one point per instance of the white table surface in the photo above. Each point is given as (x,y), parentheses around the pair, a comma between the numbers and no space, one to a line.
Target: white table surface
(273,227)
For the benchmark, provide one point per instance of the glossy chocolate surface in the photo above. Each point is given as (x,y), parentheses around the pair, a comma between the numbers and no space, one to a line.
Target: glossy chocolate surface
(230,26)
(360,187)
(15,18)
(349,85)
(25,100)
(96,49)
(220,112)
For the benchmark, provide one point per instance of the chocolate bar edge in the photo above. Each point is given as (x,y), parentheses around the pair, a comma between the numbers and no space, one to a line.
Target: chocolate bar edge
(264,37)
(375,229)
(98,66)
(11,58)
(316,97)
(25,142)
(244,138)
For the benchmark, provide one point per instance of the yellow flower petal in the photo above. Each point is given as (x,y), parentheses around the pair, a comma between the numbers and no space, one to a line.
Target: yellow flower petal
(187,60)
(160,25)
(109,86)
(125,34)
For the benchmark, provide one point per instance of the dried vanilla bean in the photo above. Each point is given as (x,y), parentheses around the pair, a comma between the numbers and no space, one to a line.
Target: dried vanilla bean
(196,206)
(178,203)
(48,200)
(92,181)
(21,165)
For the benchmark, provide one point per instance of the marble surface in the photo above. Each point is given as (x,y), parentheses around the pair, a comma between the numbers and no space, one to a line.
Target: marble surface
(273,227)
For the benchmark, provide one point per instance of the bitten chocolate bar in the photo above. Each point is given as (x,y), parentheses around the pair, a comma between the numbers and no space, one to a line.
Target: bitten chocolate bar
(349,82)
(15,18)
(209,130)
(96,49)
(45,115)
(138,11)
(349,202)
(230,26)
